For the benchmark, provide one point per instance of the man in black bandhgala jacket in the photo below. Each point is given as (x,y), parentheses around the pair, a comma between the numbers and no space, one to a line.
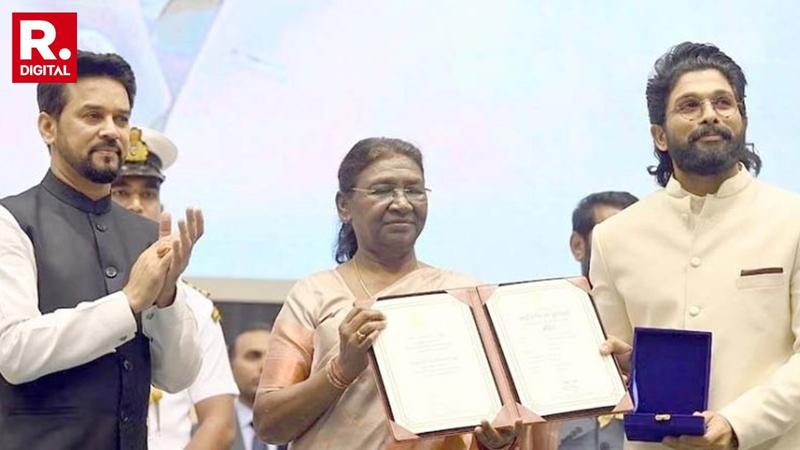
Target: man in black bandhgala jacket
(89,309)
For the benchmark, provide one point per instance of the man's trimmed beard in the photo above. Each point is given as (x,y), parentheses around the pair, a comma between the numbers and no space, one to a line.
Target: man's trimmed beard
(94,173)
(689,157)
(97,175)
(101,173)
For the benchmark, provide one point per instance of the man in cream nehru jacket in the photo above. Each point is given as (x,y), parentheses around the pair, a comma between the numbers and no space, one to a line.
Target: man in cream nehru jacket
(715,250)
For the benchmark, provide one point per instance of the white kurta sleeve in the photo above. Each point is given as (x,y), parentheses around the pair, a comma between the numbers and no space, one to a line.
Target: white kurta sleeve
(33,344)
(174,346)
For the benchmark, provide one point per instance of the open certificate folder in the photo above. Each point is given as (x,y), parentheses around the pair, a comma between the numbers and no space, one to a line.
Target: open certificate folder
(528,350)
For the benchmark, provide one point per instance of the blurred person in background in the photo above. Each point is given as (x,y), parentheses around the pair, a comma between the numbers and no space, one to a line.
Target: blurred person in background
(248,353)
(603,432)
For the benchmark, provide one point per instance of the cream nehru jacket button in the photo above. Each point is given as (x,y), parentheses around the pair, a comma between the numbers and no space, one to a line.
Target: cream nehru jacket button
(694,311)
(695,261)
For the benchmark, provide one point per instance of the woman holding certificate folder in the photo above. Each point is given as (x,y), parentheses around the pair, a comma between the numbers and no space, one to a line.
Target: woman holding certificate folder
(317,390)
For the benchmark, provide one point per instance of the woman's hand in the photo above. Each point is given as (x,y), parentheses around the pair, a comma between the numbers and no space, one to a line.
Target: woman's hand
(357,332)
(493,438)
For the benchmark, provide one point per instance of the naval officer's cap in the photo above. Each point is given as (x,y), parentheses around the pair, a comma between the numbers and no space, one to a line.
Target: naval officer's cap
(149,154)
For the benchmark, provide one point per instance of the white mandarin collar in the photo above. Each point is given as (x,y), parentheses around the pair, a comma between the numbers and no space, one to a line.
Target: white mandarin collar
(728,188)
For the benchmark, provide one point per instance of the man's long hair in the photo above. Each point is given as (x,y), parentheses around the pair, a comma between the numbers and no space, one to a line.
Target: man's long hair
(680,59)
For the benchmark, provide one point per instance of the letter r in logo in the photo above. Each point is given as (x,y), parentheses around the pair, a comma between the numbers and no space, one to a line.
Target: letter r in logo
(42,44)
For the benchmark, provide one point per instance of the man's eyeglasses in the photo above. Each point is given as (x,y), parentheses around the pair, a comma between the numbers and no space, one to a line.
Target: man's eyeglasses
(389,193)
(692,108)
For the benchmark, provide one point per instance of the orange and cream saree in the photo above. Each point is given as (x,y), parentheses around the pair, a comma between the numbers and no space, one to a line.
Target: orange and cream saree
(305,338)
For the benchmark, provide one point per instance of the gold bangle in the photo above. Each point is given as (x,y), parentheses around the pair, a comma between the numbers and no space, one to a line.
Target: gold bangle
(337,371)
(334,376)
(332,379)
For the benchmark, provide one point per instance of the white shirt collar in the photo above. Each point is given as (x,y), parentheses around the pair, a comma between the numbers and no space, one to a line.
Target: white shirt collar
(245,416)
(243,413)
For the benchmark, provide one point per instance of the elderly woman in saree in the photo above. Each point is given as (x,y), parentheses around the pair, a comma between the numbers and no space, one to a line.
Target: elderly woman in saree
(317,391)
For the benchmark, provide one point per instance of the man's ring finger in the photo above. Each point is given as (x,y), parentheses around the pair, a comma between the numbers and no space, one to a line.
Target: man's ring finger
(361,336)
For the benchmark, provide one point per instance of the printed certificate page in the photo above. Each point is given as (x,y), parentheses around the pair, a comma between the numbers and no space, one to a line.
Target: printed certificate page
(550,336)
(431,360)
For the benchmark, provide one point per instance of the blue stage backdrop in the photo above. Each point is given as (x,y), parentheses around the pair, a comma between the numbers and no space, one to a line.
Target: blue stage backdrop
(520,107)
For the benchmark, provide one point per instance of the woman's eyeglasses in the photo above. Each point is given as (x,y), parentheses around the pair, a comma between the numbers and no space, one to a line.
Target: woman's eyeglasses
(413,194)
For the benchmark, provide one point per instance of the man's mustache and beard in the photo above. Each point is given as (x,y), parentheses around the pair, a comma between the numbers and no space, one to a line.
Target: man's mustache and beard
(707,158)
(100,168)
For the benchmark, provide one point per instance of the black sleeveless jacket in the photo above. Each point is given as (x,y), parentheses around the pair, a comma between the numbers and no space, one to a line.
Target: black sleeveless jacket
(84,250)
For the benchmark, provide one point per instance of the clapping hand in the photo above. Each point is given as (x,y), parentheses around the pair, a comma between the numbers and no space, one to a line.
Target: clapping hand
(181,244)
